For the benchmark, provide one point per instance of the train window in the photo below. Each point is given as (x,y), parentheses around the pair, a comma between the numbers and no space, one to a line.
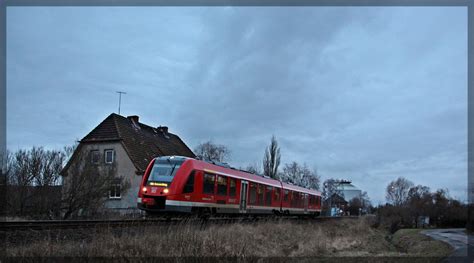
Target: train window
(208,183)
(253,194)
(221,185)
(260,194)
(277,194)
(295,199)
(189,186)
(163,171)
(268,196)
(232,187)
(286,195)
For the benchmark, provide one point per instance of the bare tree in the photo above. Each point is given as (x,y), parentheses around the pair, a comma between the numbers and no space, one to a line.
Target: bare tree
(50,165)
(419,201)
(300,175)
(355,206)
(209,151)
(69,151)
(271,159)
(397,191)
(7,166)
(5,158)
(86,186)
(253,168)
(291,173)
(19,179)
(365,200)
(31,176)
(330,188)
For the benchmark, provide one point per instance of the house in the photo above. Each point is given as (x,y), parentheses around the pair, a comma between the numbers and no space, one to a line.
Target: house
(127,145)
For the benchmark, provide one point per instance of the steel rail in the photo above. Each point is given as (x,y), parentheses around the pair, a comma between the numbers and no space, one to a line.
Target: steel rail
(71,224)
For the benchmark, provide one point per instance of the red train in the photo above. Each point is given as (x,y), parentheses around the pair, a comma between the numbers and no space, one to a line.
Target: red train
(182,184)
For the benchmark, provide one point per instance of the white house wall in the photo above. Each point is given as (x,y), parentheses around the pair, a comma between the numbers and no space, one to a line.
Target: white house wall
(125,169)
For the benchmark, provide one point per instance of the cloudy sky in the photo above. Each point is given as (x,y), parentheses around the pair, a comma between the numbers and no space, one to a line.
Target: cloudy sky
(366,94)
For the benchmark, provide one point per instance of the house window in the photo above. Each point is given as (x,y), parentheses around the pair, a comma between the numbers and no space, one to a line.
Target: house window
(95,156)
(109,156)
(115,191)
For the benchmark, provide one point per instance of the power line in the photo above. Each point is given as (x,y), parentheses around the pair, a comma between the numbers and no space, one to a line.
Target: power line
(120,99)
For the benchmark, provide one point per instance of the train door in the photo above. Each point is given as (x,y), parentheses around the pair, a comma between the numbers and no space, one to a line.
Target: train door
(305,203)
(243,196)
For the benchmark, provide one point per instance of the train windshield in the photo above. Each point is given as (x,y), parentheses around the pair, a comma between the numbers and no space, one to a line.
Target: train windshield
(163,171)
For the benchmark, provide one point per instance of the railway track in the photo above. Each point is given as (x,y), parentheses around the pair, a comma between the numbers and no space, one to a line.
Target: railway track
(71,224)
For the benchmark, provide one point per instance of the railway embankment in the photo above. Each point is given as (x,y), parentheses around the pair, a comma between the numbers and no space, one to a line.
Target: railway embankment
(346,238)
(413,242)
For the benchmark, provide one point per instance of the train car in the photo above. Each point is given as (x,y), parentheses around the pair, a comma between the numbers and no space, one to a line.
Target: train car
(187,185)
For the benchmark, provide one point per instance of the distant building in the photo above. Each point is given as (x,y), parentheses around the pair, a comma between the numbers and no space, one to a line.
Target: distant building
(347,190)
(338,203)
(130,145)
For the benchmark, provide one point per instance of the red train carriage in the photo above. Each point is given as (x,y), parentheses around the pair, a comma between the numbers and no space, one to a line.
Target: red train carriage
(181,184)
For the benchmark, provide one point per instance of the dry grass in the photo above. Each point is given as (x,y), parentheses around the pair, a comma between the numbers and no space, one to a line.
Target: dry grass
(414,243)
(269,239)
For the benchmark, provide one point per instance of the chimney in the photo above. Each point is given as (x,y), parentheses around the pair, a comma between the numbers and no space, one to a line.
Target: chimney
(163,129)
(133,118)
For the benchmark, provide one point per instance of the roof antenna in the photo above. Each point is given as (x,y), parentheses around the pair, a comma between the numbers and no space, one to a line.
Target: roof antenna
(120,99)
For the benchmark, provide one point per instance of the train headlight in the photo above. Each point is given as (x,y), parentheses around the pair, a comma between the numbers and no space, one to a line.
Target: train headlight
(144,189)
(166,190)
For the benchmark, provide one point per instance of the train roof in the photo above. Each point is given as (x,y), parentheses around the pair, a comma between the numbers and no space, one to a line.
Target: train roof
(212,168)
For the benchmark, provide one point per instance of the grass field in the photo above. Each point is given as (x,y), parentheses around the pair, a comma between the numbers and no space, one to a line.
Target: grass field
(412,242)
(344,238)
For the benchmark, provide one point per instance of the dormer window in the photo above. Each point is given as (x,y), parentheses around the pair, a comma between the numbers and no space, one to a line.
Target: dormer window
(109,156)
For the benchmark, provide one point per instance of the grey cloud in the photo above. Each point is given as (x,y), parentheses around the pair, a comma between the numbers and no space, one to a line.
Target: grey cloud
(361,93)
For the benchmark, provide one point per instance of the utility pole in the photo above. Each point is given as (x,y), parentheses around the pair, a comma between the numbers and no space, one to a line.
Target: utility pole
(120,99)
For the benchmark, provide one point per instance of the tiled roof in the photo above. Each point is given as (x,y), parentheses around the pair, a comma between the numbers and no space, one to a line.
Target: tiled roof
(142,142)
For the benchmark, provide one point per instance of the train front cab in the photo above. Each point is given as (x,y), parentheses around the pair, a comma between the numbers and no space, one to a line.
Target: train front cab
(177,186)
(160,183)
